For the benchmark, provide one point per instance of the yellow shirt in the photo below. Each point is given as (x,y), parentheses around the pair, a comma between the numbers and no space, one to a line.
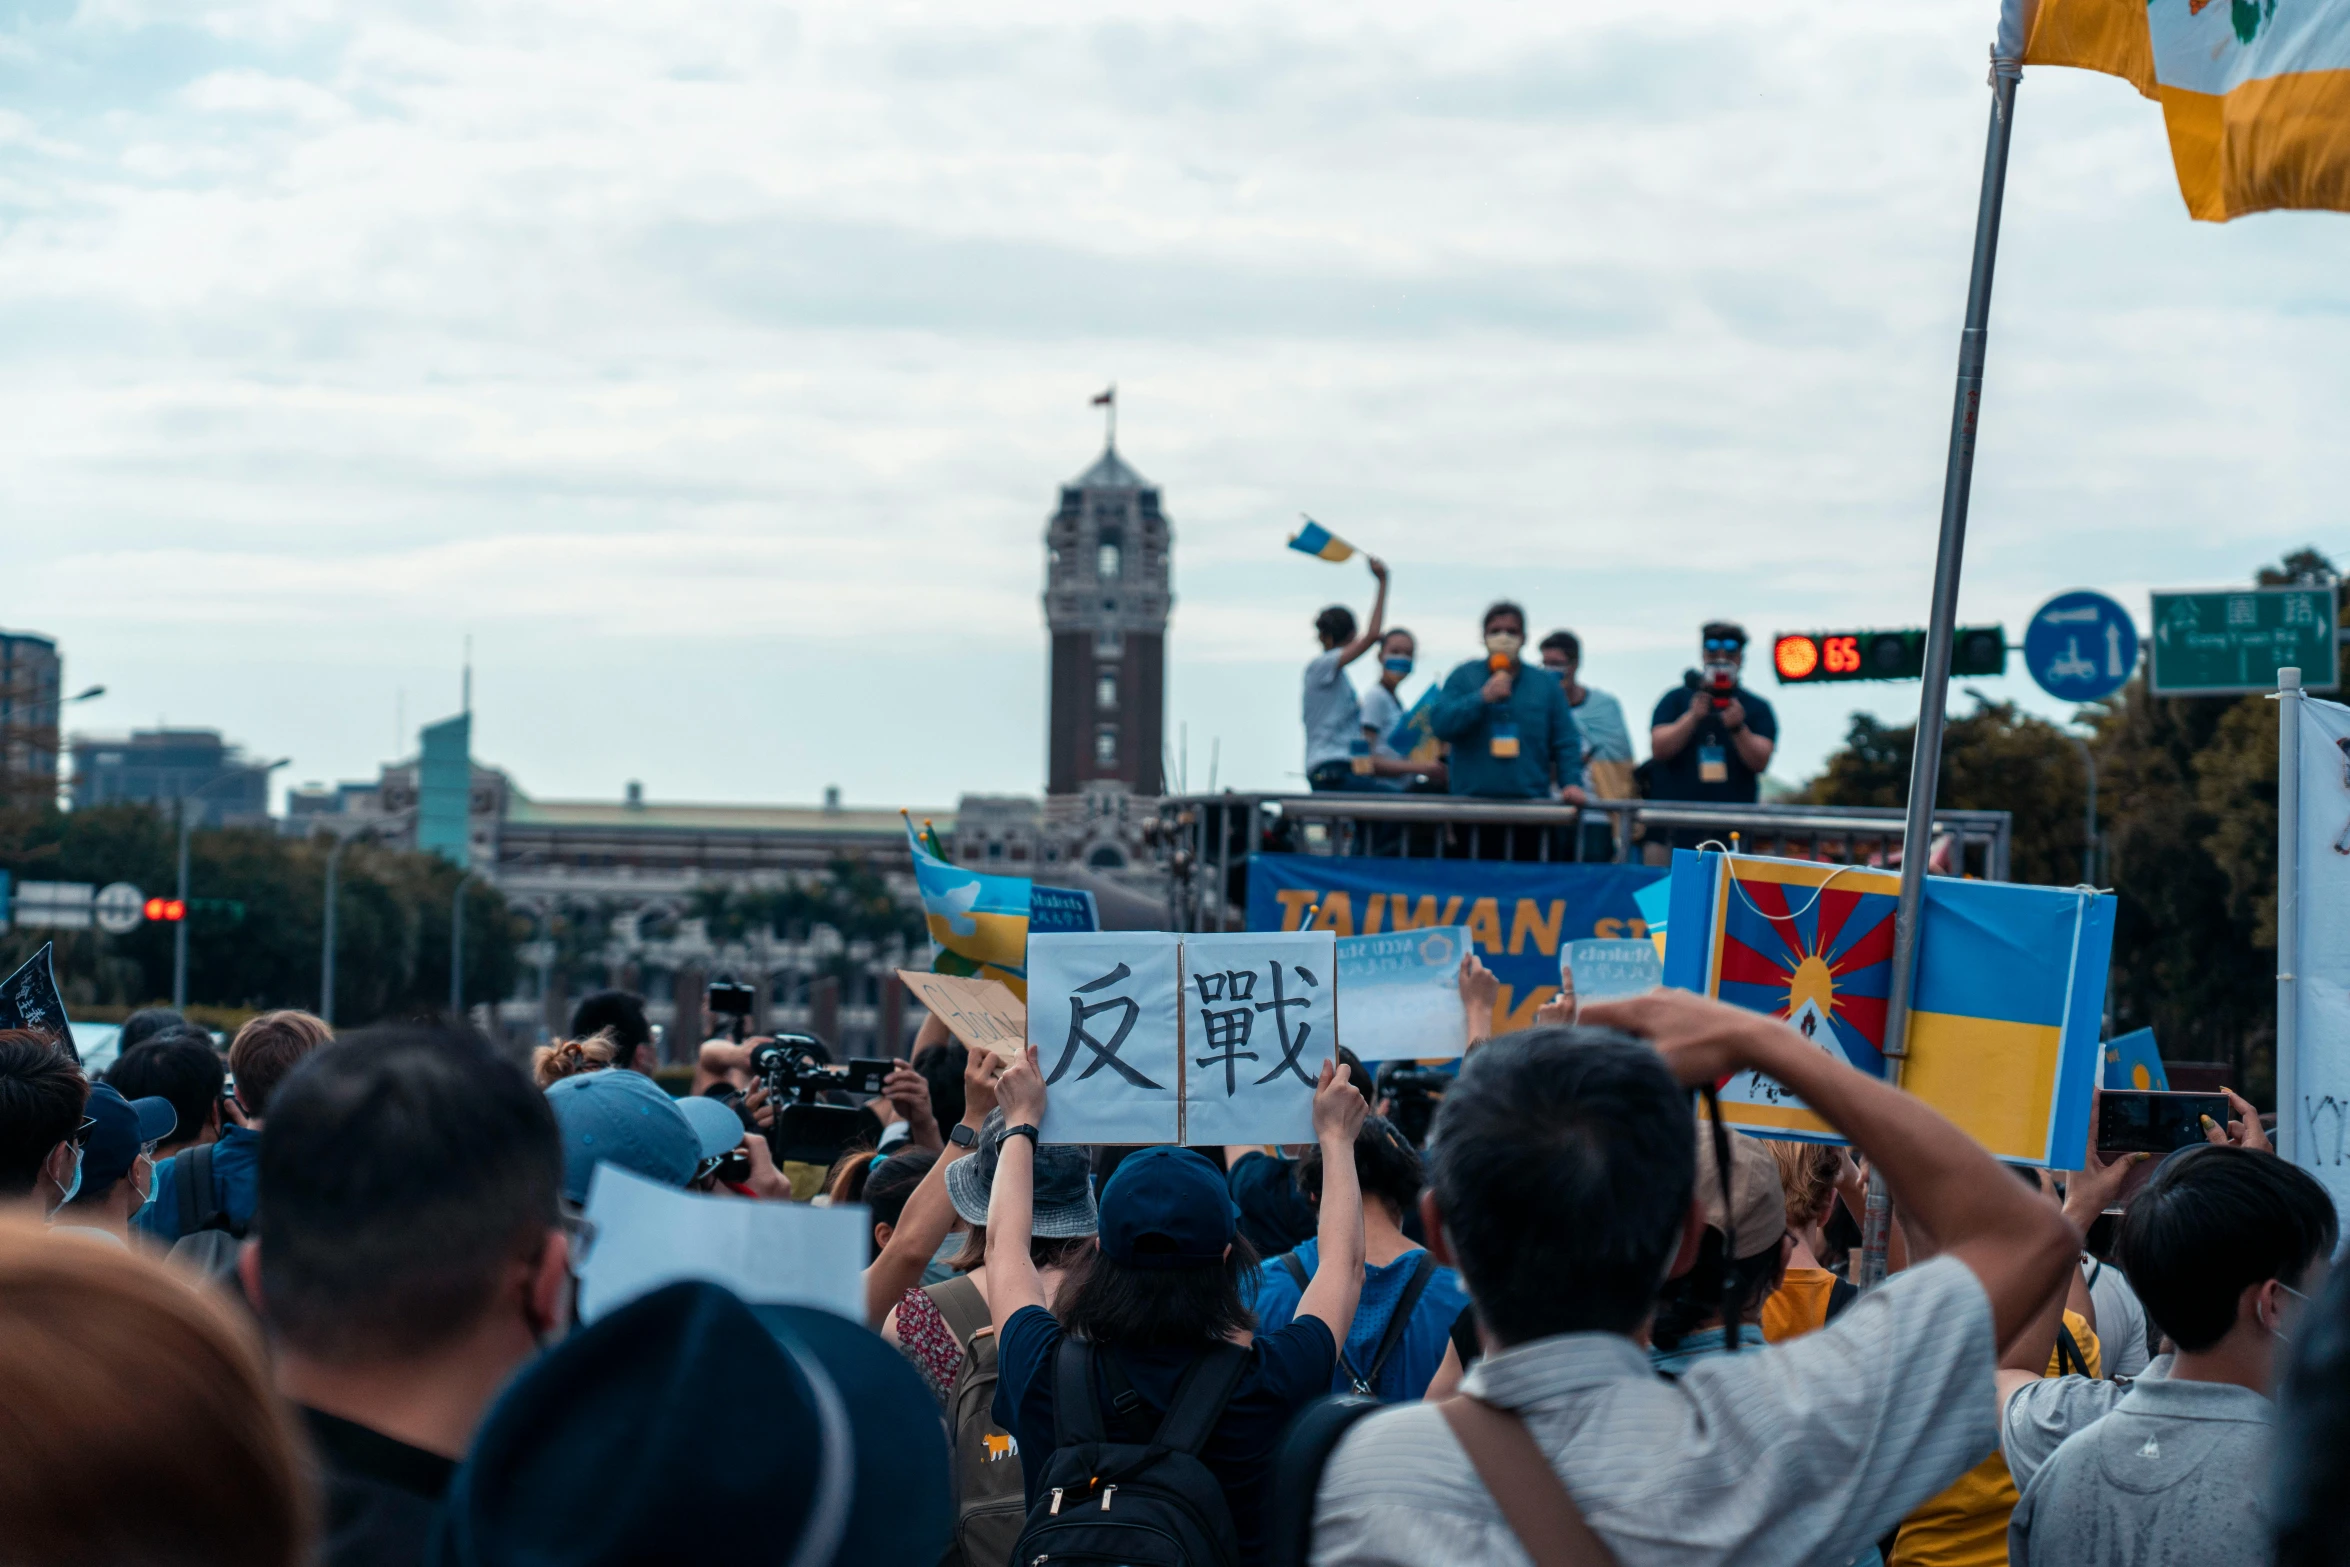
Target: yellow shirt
(1798,1306)
(1966,1526)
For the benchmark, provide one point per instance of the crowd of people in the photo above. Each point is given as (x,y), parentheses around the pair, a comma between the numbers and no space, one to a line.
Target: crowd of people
(317,1302)
(1501,728)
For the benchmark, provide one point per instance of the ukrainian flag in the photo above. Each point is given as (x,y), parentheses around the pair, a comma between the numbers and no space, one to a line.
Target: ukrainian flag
(2009,986)
(978,922)
(1314,539)
(2255,96)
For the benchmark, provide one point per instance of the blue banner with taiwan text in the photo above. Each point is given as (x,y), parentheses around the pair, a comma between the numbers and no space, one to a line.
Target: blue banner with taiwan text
(1517,915)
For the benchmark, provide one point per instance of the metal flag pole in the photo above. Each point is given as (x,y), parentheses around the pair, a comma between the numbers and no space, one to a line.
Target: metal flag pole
(1925,764)
(2288,912)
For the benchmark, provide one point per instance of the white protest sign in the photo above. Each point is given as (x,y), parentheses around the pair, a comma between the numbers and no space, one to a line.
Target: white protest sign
(1102,1016)
(1399,995)
(1601,969)
(1259,1018)
(769,1253)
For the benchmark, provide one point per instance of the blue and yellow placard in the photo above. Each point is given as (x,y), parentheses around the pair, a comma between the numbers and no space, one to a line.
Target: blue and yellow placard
(2010,982)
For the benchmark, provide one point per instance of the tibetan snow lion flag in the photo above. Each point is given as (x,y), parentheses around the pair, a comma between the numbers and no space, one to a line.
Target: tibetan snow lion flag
(2255,93)
(2010,985)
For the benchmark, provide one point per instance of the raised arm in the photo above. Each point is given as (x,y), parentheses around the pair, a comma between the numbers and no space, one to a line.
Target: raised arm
(2012,1239)
(1012,1279)
(1337,1285)
(1376,626)
(929,1213)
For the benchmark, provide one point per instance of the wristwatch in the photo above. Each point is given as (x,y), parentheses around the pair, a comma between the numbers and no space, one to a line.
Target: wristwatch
(963,1136)
(1022,1130)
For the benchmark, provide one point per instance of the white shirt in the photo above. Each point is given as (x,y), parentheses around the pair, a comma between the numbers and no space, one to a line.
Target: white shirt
(1381,713)
(1333,715)
(1797,1453)
(2121,1320)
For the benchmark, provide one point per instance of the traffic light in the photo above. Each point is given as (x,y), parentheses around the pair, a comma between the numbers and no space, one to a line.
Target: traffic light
(1809,657)
(166,910)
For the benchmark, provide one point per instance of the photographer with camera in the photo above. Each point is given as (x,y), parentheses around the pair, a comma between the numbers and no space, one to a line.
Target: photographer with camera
(1711,739)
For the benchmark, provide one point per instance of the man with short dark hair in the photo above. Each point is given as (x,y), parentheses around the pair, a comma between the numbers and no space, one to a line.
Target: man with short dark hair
(2224,1247)
(621,1015)
(221,1186)
(42,1093)
(145,1024)
(1563,1188)
(180,1066)
(409,1257)
(1512,734)
(1710,738)
(1333,714)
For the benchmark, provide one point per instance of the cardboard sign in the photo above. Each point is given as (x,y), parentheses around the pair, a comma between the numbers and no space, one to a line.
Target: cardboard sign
(1108,1038)
(1260,1016)
(979,1012)
(29,999)
(769,1253)
(1400,995)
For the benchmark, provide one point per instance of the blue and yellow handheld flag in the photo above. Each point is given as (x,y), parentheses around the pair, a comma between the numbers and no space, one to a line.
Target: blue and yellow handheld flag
(978,922)
(2134,1061)
(2010,983)
(1314,539)
(1414,735)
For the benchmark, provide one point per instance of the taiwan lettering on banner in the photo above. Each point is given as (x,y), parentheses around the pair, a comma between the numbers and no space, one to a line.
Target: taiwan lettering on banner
(1102,1015)
(1517,915)
(2009,988)
(1399,995)
(1259,1019)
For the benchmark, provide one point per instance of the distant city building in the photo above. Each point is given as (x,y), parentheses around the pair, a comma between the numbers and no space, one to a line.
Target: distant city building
(30,676)
(1106,597)
(162,767)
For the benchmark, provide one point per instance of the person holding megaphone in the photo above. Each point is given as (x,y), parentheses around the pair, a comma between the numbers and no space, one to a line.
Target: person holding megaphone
(1512,733)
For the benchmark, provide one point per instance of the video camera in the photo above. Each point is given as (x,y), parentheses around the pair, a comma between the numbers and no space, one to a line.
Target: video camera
(1719,682)
(1412,1094)
(793,1068)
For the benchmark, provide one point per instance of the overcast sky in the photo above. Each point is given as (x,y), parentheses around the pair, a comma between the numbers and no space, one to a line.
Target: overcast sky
(714,365)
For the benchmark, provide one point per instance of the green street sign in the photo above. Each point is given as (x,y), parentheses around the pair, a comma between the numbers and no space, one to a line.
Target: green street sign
(2233,641)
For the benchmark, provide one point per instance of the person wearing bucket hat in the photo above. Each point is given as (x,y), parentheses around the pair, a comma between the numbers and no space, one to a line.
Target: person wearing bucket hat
(1169,1287)
(689,1427)
(118,1167)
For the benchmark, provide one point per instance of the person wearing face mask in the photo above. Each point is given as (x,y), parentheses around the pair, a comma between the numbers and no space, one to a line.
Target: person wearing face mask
(409,1257)
(1513,736)
(1383,710)
(118,1164)
(42,1127)
(1712,741)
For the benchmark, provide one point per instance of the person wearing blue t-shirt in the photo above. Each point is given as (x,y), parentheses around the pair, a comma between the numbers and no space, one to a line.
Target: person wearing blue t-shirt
(1394,1363)
(1170,1283)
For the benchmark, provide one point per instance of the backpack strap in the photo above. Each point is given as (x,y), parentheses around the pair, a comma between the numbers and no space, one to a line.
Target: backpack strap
(1397,1321)
(192,1167)
(1294,1268)
(962,1307)
(1533,1500)
(1077,1416)
(1200,1399)
(2069,1359)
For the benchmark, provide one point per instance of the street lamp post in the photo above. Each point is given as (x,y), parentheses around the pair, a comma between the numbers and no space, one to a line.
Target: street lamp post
(457,946)
(179,929)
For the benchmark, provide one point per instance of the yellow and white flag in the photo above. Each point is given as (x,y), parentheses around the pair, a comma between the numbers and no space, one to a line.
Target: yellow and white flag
(2255,93)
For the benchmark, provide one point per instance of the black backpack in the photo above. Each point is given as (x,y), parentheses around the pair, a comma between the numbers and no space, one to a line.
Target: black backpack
(209,1238)
(1143,1504)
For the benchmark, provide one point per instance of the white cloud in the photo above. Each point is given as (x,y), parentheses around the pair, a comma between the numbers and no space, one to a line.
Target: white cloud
(720,360)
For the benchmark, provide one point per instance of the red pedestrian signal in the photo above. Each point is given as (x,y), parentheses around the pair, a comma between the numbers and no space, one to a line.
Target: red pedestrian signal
(1796,657)
(166,910)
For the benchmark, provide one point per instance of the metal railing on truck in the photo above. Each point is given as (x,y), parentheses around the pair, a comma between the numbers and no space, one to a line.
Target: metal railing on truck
(1202,842)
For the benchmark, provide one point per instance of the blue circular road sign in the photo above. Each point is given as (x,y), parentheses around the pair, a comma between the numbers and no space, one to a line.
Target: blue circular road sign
(2081,646)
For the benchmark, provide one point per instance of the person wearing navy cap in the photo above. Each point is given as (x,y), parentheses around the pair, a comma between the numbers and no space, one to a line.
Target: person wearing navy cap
(1171,1283)
(118,1167)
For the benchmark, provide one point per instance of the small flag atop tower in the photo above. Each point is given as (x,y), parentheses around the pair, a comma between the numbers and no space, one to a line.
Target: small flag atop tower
(1314,539)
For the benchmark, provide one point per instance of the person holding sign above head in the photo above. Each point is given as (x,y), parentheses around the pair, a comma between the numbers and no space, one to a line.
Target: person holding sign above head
(1333,714)
(1513,736)
(1160,1326)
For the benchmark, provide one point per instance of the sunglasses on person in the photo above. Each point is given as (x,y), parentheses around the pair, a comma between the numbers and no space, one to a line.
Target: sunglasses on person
(81,1133)
(1723,645)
